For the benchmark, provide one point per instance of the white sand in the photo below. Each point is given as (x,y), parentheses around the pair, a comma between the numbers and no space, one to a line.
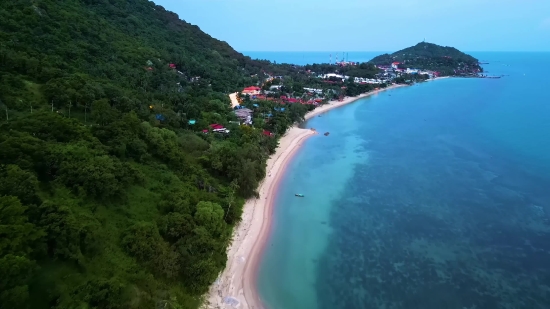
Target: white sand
(238,280)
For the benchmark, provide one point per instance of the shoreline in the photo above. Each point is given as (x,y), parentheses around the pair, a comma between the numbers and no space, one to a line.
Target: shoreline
(238,280)
(347,100)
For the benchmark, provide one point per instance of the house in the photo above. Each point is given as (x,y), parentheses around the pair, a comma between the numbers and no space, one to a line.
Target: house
(172,66)
(394,65)
(318,91)
(244,114)
(218,128)
(252,90)
(267,133)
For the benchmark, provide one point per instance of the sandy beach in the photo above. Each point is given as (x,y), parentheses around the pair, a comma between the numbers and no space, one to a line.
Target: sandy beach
(238,280)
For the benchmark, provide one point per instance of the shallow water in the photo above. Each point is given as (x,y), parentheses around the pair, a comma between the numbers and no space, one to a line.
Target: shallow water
(431,196)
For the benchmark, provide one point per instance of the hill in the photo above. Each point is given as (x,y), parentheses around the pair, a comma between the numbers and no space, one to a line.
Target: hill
(427,56)
(111,196)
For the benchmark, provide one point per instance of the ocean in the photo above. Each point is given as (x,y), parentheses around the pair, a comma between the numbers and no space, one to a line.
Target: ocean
(434,196)
(303,58)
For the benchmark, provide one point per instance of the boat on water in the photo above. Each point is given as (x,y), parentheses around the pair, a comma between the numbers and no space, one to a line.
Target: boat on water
(299,195)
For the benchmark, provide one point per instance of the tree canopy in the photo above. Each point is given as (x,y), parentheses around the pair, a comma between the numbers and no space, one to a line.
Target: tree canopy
(428,56)
(111,195)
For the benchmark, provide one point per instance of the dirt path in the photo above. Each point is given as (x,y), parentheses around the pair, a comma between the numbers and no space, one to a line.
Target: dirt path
(234,101)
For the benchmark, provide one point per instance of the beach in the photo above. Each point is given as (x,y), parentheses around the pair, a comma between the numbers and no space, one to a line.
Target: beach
(238,281)
(335,104)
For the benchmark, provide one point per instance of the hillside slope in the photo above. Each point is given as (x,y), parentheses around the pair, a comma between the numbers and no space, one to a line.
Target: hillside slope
(110,197)
(427,56)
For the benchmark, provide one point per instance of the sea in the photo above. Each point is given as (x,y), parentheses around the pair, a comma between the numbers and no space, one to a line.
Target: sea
(433,196)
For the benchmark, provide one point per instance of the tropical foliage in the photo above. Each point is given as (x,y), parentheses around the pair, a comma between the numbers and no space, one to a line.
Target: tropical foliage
(111,196)
(427,56)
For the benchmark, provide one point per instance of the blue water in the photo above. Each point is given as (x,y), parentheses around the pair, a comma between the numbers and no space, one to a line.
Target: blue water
(303,58)
(434,196)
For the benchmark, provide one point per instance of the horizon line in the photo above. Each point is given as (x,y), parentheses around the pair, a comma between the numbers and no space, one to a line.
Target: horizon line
(382,51)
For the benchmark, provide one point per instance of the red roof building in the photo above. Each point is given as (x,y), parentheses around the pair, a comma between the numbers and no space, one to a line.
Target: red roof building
(216,126)
(267,133)
(172,66)
(251,90)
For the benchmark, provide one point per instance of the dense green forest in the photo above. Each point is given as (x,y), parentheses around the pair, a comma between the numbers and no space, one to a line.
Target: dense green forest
(110,197)
(427,56)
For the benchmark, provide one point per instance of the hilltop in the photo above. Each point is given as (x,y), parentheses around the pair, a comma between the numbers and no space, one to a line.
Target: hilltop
(117,190)
(448,61)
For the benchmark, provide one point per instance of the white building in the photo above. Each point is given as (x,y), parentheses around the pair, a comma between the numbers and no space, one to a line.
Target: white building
(343,77)
(318,91)
(362,80)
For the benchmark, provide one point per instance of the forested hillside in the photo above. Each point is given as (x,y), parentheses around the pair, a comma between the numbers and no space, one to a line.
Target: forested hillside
(110,197)
(427,56)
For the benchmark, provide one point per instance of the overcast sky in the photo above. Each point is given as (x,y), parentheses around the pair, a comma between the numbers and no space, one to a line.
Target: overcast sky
(366,25)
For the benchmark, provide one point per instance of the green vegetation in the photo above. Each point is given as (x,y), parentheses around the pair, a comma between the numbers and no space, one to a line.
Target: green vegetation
(427,56)
(109,196)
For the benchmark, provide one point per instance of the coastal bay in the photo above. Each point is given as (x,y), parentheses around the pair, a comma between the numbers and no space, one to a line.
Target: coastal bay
(432,197)
(238,281)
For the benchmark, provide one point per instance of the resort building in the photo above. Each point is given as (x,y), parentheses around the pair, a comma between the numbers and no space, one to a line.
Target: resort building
(244,114)
(314,90)
(252,90)
(338,76)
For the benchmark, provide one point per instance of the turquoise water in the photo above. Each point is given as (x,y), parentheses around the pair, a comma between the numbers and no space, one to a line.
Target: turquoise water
(431,196)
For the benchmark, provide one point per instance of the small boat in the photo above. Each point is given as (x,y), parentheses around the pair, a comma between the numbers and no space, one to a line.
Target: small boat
(299,195)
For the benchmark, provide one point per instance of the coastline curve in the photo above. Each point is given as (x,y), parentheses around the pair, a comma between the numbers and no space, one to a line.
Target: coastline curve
(239,278)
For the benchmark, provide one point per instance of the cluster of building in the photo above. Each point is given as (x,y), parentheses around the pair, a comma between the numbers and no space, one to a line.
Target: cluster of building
(394,70)
(359,80)
(388,73)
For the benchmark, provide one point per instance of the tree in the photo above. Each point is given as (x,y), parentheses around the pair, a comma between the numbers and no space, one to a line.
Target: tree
(102,112)
(17,235)
(210,216)
(5,108)
(19,183)
(233,187)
